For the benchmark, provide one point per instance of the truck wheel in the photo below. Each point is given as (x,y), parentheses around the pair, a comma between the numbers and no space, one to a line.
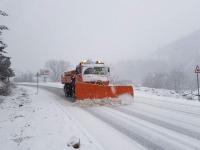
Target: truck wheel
(67,90)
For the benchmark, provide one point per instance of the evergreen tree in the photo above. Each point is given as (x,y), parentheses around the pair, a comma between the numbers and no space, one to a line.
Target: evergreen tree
(5,71)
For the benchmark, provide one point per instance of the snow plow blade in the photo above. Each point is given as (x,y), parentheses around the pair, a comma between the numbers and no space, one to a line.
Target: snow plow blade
(95,91)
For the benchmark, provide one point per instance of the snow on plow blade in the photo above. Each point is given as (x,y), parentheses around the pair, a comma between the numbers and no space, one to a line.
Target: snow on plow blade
(95,91)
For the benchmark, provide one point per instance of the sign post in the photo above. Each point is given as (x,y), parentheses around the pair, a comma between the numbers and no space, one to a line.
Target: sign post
(197,71)
(37,81)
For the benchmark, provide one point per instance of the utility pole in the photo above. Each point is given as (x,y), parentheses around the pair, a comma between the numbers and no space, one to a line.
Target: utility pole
(197,71)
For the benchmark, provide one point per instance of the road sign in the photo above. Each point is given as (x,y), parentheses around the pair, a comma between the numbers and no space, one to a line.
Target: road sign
(44,72)
(197,70)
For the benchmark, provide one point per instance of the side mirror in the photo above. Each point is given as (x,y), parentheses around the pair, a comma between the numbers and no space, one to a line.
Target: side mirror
(109,70)
(76,70)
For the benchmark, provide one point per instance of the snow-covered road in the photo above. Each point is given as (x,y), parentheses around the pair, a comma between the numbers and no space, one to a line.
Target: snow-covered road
(151,122)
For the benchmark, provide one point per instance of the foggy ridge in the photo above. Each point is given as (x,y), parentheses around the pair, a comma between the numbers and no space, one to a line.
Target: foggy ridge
(182,55)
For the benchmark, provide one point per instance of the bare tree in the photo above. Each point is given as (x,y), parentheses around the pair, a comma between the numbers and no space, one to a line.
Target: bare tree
(57,67)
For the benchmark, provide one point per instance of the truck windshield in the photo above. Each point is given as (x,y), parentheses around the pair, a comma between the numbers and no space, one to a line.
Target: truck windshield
(97,71)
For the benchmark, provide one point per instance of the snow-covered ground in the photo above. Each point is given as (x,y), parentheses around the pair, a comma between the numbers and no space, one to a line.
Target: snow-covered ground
(29,122)
(151,122)
(45,121)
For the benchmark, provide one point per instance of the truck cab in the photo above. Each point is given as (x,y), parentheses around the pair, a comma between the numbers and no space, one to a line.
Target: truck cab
(93,72)
(86,72)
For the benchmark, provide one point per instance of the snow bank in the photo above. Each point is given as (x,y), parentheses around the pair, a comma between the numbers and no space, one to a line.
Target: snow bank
(157,92)
(189,95)
(121,100)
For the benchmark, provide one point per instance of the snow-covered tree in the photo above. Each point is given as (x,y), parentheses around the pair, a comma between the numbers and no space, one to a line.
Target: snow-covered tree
(5,71)
(175,80)
(155,80)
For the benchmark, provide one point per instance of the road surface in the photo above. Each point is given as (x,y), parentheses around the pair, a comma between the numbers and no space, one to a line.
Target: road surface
(149,123)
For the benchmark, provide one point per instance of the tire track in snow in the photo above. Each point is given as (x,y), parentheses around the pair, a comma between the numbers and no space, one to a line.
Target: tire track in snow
(164,124)
(167,108)
(161,136)
(177,118)
(129,132)
(170,102)
(166,115)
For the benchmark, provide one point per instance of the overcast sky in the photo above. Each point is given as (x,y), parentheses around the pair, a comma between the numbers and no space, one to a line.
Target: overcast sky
(111,30)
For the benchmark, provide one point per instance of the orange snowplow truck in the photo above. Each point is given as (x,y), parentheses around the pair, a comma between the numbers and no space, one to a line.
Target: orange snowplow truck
(90,80)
